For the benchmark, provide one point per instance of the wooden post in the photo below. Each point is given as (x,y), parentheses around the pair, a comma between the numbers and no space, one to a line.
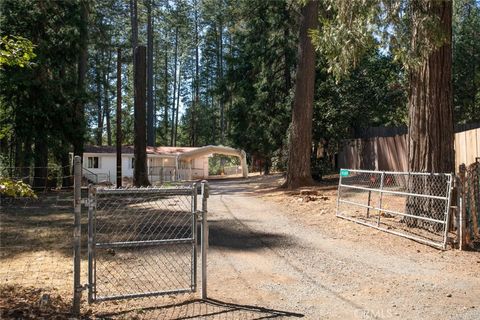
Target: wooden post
(140,177)
(119,118)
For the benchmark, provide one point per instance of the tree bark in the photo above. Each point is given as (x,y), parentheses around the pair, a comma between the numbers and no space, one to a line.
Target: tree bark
(79,112)
(106,99)
(106,106)
(431,128)
(219,79)
(134,24)
(140,177)
(165,115)
(177,107)
(150,107)
(119,118)
(172,133)
(99,110)
(196,82)
(300,144)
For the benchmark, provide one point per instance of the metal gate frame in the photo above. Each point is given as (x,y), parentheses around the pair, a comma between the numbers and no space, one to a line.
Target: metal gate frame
(197,216)
(381,209)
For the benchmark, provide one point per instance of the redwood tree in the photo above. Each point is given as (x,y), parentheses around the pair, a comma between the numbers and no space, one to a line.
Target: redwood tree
(300,144)
(430,129)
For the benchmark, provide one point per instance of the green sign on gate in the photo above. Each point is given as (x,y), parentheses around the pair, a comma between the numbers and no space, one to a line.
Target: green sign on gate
(344,173)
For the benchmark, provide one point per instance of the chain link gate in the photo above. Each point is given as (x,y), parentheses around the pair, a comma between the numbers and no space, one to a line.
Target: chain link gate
(143,241)
(410,204)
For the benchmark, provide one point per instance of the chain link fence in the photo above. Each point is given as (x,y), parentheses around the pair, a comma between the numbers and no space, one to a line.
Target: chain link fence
(142,241)
(413,205)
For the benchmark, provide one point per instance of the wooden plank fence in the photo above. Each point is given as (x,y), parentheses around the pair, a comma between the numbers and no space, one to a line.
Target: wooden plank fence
(389,153)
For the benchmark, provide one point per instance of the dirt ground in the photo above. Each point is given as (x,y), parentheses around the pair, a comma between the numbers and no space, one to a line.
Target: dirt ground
(273,254)
(287,250)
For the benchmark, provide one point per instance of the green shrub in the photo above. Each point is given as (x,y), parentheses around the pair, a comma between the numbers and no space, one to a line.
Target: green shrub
(11,188)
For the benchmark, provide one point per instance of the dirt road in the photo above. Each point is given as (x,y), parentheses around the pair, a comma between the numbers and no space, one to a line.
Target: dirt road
(263,253)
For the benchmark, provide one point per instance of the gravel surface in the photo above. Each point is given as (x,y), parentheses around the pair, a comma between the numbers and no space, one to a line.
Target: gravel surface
(267,253)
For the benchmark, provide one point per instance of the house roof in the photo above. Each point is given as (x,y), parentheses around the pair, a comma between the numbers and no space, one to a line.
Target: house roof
(129,150)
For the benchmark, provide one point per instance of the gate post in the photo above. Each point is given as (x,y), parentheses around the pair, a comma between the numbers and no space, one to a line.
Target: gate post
(91,243)
(462,209)
(77,208)
(204,240)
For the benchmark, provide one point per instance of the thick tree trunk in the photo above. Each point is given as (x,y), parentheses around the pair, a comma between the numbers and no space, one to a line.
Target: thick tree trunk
(140,175)
(150,107)
(119,118)
(300,144)
(431,127)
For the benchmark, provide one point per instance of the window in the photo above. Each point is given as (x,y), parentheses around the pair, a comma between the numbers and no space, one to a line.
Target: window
(93,163)
(132,163)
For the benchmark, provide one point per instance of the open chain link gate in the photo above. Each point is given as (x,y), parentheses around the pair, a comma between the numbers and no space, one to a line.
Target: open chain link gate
(143,241)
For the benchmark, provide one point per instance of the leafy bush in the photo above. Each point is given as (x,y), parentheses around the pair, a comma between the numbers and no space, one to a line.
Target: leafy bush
(11,188)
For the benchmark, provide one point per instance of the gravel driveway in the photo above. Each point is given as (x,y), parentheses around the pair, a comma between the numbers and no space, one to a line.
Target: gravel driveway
(262,255)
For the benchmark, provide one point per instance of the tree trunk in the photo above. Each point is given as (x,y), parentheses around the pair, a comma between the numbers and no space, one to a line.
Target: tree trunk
(165,115)
(196,81)
(134,24)
(300,144)
(119,118)
(106,106)
(99,110)
(79,112)
(150,113)
(106,99)
(172,133)
(140,177)
(177,107)
(219,80)
(431,127)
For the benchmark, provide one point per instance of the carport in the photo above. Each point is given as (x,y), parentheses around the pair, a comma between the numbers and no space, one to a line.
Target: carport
(208,150)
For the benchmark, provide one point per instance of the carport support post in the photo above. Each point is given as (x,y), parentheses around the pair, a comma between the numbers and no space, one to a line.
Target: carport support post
(204,240)
(77,208)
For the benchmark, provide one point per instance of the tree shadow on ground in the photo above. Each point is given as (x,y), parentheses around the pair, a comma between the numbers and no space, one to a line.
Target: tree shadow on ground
(204,309)
(228,234)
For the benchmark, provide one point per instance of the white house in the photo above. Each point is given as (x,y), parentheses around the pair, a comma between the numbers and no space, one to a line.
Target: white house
(163,163)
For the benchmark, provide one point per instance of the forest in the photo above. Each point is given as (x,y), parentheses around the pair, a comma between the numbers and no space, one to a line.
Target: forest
(278,79)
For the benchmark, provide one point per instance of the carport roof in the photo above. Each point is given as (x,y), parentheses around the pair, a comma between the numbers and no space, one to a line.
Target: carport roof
(129,150)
